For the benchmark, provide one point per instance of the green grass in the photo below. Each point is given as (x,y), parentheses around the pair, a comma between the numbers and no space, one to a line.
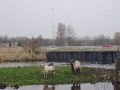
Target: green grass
(34,75)
(59,49)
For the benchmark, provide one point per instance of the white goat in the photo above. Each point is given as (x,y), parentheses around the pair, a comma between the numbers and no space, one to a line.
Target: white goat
(48,69)
(75,66)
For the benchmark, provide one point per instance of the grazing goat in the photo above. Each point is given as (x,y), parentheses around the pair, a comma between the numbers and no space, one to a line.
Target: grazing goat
(75,66)
(46,87)
(48,69)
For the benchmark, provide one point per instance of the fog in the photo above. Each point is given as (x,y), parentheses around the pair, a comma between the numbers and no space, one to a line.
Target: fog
(35,17)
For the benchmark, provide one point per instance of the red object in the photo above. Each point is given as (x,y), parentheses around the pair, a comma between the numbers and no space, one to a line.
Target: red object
(107,46)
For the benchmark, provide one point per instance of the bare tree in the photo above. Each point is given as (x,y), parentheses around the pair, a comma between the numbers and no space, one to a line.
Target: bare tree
(34,44)
(47,42)
(1,39)
(87,40)
(70,35)
(117,38)
(61,35)
(39,40)
(101,40)
(25,43)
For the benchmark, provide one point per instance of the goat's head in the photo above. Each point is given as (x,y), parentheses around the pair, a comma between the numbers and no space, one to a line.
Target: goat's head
(71,64)
(42,66)
(71,61)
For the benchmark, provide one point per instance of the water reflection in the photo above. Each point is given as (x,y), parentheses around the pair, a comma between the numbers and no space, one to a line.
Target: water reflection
(116,86)
(38,63)
(49,87)
(75,87)
(82,86)
(2,86)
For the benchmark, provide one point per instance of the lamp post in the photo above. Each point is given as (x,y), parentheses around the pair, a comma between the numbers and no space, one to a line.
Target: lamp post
(53,42)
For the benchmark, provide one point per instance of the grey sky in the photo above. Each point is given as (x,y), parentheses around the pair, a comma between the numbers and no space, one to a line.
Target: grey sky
(34,17)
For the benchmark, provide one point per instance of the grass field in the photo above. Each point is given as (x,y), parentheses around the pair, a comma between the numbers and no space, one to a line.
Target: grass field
(83,48)
(33,75)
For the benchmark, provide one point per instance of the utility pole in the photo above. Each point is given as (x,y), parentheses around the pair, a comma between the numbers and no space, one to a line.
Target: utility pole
(53,41)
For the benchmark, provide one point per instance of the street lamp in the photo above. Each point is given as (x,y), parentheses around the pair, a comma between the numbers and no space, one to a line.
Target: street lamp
(53,42)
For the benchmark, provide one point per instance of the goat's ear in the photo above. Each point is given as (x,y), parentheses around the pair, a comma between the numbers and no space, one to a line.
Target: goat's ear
(72,60)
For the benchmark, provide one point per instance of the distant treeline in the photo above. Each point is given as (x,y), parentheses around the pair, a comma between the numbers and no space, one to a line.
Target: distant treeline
(24,41)
(65,36)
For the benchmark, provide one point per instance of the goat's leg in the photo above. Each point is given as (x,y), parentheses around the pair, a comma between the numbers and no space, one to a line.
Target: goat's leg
(79,70)
(45,75)
(76,71)
(54,72)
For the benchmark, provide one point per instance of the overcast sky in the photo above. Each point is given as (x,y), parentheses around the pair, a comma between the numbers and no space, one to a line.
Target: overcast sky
(35,17)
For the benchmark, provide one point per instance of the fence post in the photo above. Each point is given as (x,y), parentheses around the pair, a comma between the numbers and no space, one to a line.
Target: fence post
(117,67)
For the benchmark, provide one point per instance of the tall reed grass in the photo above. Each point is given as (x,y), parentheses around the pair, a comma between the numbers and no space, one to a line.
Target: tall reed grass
(11,54)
